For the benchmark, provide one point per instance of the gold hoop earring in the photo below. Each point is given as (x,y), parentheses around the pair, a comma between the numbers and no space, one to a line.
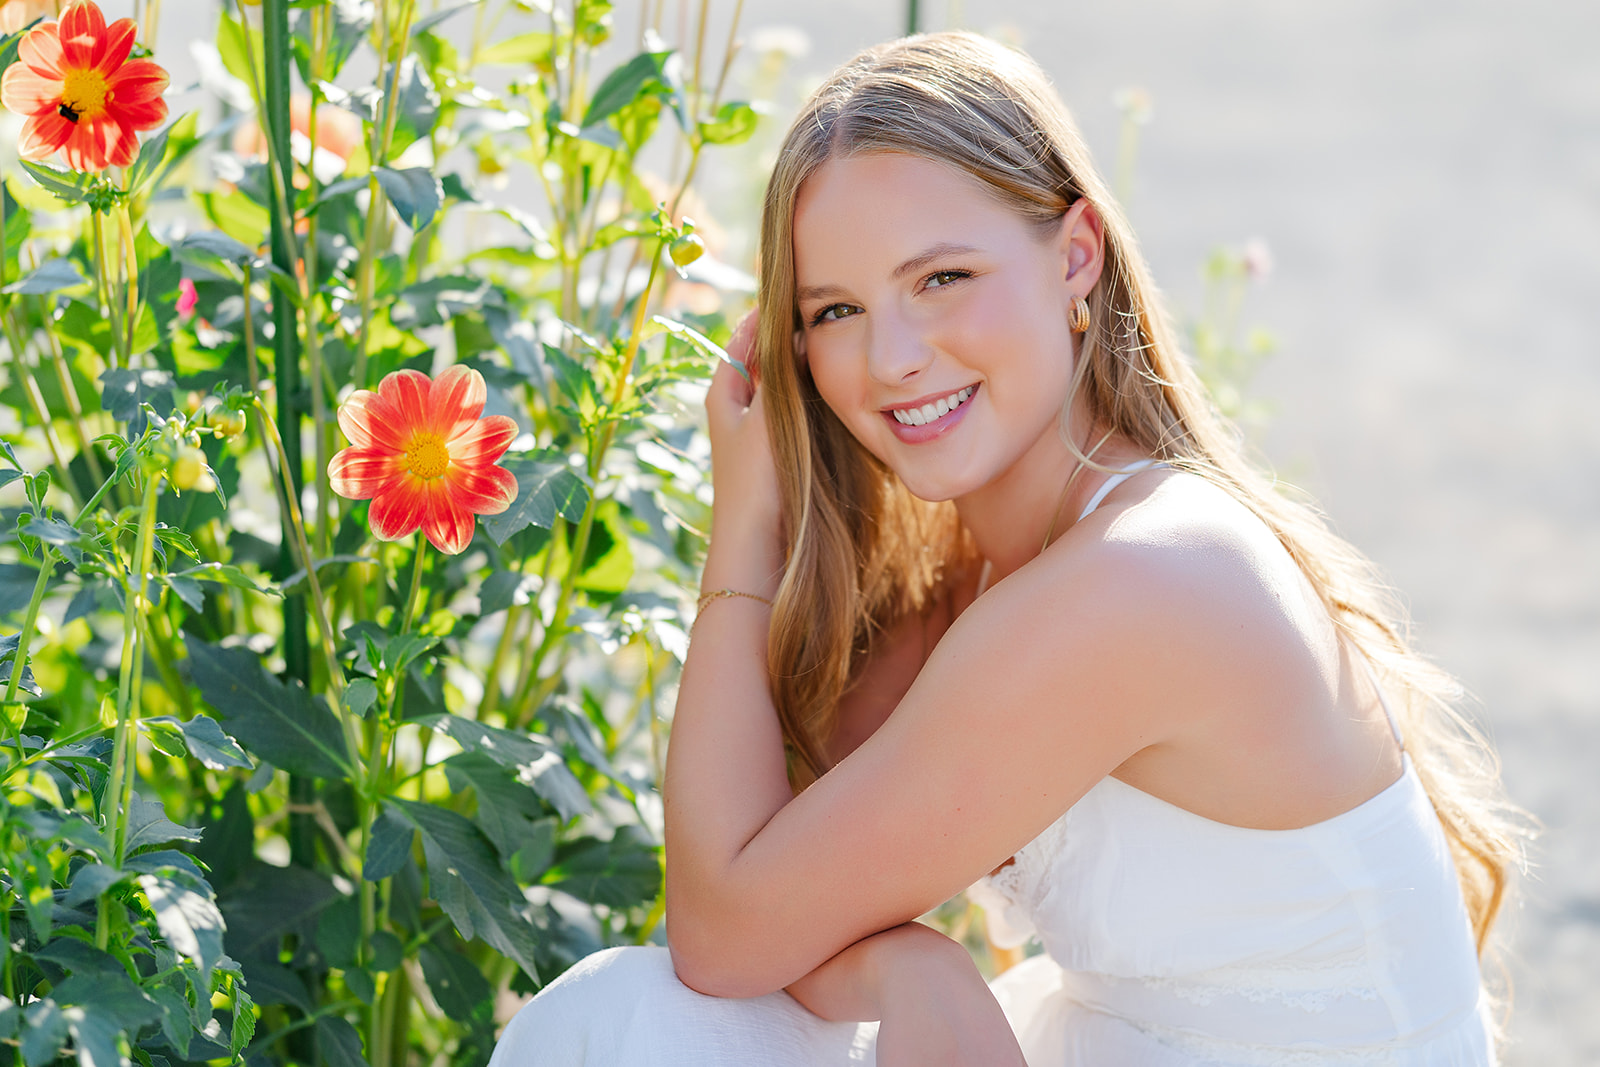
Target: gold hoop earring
(1078,316)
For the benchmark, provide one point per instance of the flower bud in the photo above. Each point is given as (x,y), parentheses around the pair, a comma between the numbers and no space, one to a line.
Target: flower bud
(188,470)
(226,423)
(686,249)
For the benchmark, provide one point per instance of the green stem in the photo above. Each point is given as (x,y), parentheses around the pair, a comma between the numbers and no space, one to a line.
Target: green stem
(41,411)
(20,658)
(419,557)
(70,392)
(298,531)
(128,685)
(491,677)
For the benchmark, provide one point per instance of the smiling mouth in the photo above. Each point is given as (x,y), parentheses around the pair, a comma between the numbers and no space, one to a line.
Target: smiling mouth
(934,410)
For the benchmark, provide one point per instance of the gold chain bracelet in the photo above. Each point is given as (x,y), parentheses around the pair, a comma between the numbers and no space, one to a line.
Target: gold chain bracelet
(723,594)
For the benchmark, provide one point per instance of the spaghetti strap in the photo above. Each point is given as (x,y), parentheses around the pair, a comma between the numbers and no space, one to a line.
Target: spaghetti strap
(1115,480)
(1383,699)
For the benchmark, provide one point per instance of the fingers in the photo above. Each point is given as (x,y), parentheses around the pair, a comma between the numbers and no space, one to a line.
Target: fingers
(742,343)
(729,396)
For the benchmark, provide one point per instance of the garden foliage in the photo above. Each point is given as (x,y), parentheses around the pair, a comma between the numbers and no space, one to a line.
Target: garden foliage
(276,789)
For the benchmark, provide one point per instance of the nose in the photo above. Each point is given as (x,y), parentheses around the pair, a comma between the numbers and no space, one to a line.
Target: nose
(896,353)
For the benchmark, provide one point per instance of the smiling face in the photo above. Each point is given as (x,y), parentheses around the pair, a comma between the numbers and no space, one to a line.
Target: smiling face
(935,321)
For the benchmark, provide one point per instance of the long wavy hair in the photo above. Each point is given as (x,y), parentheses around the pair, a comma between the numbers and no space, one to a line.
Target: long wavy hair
(864,553)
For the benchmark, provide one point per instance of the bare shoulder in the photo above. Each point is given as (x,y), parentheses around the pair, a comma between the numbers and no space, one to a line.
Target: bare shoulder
(1194,595)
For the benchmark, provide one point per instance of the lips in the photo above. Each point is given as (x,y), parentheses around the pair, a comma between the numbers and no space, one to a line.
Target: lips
(931,419)
(921,416)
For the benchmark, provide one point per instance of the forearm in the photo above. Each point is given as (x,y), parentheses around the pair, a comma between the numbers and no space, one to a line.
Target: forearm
(850,987)
(725,775)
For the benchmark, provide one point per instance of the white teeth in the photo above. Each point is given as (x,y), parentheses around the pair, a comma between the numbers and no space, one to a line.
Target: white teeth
(928,412)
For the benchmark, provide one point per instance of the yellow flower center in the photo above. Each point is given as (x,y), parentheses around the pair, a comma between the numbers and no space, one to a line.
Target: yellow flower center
(83,93)
(427,457)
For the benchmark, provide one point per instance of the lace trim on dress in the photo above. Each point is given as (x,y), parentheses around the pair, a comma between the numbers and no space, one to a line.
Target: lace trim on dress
(1012,895)
(1312,989)
(1239,1054)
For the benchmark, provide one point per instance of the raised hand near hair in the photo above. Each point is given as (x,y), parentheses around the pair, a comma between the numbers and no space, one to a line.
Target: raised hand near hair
(746,545)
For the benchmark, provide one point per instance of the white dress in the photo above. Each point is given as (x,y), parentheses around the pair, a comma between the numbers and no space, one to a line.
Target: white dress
(1170,940)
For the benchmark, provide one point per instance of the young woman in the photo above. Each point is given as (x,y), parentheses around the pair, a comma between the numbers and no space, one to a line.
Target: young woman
(993,598)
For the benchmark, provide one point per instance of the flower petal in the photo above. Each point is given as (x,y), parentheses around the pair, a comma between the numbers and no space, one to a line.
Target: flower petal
(83,30)
(40,52)
(43,136)
(361,474)
(457,399)
(449,526)
(115,45)
(122,142)
(406,391)
(482,490)
(135,82)
(27,92)
(369,423)
(484,441)
(398,510)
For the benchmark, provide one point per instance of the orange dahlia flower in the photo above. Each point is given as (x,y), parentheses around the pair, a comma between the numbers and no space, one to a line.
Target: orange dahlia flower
(421,453)
(81,93)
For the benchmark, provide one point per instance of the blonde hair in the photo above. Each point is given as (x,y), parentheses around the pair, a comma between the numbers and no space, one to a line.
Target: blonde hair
(864,553)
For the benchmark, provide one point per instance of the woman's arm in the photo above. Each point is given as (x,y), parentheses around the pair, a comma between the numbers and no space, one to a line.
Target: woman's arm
(934,1006)
(762,886)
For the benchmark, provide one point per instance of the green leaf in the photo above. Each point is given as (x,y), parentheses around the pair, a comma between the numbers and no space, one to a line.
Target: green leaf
(214,243)
(96,1037)
(415,193)
(644,71)
(226,574)
(359,696)
(188,919)
(457,985)
(505,806)
(68,186)
(124,391)
(621,873)
(50,276)
(339,1043)
(528,49)
(535,762)
(81,958)
(470,885)
(403,649)
(547,487)
(207,743)
(504,588)
(734,123)
(282,724)
(351,21)
(418,104)
(45,1031)
(244,1019)
(389,847)
(89,882)
(147,824)
(111,996)
(151,154)
(429,21)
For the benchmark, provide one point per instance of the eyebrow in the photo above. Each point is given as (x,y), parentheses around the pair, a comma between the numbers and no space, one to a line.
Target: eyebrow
(910,266)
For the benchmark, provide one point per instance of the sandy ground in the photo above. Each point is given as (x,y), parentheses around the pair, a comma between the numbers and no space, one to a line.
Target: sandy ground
(1427,176)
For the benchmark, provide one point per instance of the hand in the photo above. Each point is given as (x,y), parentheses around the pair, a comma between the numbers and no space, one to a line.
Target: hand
(746,544)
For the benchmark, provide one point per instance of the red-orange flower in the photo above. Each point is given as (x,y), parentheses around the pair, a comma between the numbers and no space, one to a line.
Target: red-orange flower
(81,93)
(423,456)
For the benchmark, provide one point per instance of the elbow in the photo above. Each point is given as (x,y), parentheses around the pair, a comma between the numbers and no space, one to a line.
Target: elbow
(714,951)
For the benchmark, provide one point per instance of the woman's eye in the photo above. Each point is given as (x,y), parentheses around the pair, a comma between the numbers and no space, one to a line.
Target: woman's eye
(944,277)
(834,312)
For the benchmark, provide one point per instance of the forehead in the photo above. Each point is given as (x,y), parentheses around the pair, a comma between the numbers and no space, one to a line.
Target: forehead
(863,210)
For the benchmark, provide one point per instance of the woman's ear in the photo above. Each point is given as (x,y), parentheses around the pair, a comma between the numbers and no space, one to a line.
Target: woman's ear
(1082,247)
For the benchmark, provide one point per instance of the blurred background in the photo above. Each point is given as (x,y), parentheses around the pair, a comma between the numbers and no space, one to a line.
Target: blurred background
(1418,185)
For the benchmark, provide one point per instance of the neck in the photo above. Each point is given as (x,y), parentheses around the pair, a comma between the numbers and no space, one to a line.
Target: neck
(1015,516)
